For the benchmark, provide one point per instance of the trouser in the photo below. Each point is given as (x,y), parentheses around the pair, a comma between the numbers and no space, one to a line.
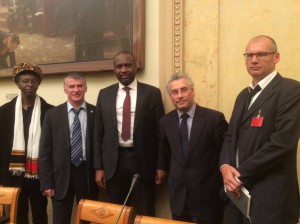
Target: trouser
(143,194)
(78,186)
(30,192)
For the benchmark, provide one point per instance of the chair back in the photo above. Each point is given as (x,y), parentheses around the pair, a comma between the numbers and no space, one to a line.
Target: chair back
(101,212)
(9,196)
(139,219)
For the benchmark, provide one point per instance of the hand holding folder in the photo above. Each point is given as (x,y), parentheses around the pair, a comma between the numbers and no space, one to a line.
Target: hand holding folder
(243,202)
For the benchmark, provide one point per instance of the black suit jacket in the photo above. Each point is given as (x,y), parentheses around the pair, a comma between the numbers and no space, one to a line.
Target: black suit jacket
(267,154)
(149,109)
(7,122)
(55,151)
(199,173)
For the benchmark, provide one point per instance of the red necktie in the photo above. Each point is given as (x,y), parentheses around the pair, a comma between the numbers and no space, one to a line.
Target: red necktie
(126,116)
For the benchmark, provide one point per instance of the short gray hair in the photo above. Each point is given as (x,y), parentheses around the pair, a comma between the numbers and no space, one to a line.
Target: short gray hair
(177,76)
(74,75)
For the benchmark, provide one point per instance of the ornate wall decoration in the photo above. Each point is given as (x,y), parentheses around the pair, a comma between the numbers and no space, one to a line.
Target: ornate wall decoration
(178,35)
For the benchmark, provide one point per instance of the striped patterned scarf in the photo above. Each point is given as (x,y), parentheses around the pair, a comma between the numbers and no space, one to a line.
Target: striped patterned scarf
(21,164)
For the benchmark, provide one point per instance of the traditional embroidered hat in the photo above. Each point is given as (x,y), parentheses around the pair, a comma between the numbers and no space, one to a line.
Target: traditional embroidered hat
(25,68)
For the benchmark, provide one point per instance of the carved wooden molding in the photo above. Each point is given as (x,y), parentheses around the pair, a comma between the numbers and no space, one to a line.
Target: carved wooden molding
(178,35)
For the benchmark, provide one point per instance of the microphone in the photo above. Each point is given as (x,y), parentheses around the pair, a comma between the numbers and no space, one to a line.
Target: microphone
(135,179)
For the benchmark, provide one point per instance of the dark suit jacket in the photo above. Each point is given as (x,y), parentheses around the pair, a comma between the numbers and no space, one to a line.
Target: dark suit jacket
(149,109)
(55,151)
(7,122)
(199,174)
(267,154)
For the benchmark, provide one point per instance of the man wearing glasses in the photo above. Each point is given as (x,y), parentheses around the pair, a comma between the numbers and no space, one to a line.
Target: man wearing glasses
(260,147)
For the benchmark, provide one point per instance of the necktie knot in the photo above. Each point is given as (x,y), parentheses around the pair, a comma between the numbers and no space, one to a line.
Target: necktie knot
(184,116)
(77,111)
(126,89)
(254,91)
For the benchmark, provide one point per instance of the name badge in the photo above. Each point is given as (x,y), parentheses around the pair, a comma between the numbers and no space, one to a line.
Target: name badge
(257,121)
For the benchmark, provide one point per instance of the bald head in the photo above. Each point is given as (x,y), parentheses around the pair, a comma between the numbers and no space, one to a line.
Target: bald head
(269,42)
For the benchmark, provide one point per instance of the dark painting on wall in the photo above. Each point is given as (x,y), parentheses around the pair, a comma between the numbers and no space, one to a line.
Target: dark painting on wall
(69,35)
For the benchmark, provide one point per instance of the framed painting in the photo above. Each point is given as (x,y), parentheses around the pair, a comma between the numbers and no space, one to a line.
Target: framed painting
(70,35)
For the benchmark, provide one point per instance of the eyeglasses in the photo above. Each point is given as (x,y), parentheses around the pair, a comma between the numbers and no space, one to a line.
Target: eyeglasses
(258,55)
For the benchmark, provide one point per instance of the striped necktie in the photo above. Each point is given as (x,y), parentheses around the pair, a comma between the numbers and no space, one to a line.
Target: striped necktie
(76,140)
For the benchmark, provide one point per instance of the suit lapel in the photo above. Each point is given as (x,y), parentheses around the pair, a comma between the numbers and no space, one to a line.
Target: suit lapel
(173,128)
(65,120)
(139,104)
(90,113)
(196,130)
(113,104)
(263,97)
(240,108)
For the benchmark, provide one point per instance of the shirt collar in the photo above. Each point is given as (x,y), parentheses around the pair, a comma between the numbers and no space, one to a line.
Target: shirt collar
(264,82)
(190,112)
(132,85)
(70,107)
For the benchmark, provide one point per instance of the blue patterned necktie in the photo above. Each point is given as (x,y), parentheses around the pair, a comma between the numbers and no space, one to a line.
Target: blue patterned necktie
(76,140)
(184,134)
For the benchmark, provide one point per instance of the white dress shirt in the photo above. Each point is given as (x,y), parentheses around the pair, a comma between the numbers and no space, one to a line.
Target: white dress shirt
(119,107)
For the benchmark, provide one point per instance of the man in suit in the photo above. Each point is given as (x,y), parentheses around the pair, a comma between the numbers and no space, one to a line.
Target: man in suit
(66,151)
(260,147)
(191,139)
(21,120)
(122,150)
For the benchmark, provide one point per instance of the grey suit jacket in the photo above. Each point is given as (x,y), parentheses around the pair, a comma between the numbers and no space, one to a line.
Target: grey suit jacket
(55,157)
(149,109)
(199,173)
(267,154)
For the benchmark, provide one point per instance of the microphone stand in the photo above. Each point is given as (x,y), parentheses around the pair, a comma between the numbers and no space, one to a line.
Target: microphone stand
(134,180)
